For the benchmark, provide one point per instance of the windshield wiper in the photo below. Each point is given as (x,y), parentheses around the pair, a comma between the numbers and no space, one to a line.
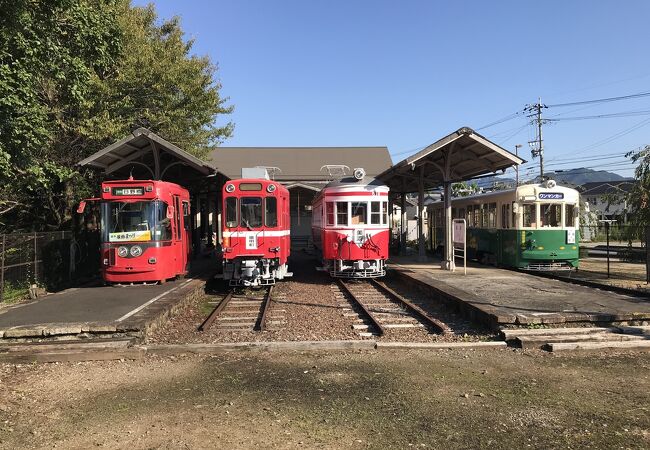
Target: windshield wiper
(248,225)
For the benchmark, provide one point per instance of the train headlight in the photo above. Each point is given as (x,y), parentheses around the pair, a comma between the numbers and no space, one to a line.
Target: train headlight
(359,173)
(271,188)
(230,188)
(123,252)
(136,250)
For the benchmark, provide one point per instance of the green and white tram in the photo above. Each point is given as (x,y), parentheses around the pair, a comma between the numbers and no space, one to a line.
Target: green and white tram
(532,227)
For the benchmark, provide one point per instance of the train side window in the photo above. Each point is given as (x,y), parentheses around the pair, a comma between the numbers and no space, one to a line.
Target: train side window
(530,215)
(470,216)
(329,213)
(461,213)
(384,206)
(569,217)
(231,212)
(375,213)
(505,215)
(514,223)
(492,215)
(342,213)
(186,215)
(271,212)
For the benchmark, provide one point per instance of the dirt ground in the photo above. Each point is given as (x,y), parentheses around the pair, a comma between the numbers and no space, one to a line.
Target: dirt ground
(445,399)
(622,274)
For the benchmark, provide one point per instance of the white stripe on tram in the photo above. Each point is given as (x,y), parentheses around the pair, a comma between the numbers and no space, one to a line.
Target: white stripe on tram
(260,233)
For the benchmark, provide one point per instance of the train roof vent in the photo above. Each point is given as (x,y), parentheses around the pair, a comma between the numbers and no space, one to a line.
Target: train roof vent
(336,171)
(255,172)
(270,170)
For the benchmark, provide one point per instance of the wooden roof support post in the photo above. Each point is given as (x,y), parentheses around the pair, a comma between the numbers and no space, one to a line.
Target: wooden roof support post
(421,250)
(448,261)
(156,158)
(403,224)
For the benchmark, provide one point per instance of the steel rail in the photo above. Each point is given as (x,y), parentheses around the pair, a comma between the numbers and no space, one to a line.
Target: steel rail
(419,312)
(261,323)
(215,312)
(375,322)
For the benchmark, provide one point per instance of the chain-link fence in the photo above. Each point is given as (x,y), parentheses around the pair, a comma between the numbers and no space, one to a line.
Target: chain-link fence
(53,260)
(615,251)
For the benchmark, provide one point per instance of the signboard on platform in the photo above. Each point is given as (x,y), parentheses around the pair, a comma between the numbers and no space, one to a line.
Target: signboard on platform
(458,233)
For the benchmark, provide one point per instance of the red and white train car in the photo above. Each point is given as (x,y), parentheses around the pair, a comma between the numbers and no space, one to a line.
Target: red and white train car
(256,241)
(350,226)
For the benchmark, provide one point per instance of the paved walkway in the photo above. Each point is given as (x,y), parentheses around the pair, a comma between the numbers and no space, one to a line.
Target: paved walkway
(500,296)
(97,310)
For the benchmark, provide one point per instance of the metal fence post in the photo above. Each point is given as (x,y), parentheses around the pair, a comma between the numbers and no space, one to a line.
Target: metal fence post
(647,254)
(35,261)
(607,233)
(2,267)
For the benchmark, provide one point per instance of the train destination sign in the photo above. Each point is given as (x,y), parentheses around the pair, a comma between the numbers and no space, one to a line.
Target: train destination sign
(128,191)
(551,195)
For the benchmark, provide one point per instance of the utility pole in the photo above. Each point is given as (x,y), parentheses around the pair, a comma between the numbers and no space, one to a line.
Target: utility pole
(517,147)
(537,146)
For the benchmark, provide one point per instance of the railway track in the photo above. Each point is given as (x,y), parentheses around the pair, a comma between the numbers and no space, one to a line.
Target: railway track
(237,312)
(376,309)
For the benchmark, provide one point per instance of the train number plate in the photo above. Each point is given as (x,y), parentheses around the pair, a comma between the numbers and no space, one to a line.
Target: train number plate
(570,236)
(551,195)
(251,242)
(128,191)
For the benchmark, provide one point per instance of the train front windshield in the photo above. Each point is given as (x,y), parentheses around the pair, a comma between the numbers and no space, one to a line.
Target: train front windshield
(135,221)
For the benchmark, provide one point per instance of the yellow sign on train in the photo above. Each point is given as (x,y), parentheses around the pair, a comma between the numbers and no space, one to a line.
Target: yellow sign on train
(130,236)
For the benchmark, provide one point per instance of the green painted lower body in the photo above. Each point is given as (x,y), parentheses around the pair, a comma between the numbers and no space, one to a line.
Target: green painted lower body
(523,249)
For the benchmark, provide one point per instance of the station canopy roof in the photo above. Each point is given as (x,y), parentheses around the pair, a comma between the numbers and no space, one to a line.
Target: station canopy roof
(145,155)
(462,155)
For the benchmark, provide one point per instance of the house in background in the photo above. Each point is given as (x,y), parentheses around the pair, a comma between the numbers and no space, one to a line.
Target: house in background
(607,199)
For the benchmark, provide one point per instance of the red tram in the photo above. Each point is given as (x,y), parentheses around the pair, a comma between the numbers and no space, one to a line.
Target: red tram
(256,242)
(144,230)
(350,226)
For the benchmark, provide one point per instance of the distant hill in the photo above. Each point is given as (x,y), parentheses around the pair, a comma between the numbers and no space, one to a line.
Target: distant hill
(581,176)
(575,177)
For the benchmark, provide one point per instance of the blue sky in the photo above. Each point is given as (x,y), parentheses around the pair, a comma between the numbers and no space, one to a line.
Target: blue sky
(404,74)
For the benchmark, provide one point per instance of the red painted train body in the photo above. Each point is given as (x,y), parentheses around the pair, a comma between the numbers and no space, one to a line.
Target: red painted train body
(256,241)
(145,231)
(350,227)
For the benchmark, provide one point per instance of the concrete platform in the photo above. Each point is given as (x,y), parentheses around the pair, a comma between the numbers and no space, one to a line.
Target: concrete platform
(99,310)
(500,297)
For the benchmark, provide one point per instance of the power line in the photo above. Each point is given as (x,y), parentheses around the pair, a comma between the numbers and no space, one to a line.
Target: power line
(604,116)
(504,119)
(601,100)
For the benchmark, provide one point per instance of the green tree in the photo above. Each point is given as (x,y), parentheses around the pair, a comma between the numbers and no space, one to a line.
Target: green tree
(75,75)
(639,196)
(464,189)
